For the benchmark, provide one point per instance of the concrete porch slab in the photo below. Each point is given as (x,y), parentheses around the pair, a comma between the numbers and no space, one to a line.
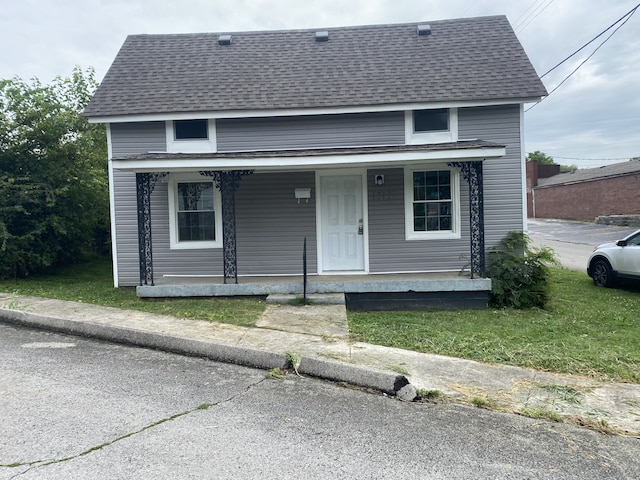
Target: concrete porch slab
(264,286)
(312,299)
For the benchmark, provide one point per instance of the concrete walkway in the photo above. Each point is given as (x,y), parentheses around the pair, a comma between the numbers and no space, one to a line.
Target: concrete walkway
(317,340)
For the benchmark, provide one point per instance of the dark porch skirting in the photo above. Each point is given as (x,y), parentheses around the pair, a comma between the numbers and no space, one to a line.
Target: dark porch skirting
(418,301)
(362,292)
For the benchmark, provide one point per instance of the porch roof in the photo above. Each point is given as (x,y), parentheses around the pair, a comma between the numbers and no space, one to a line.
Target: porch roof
(465,150)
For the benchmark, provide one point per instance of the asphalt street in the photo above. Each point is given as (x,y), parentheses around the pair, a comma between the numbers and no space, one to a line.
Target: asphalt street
(73,407)
(572,241)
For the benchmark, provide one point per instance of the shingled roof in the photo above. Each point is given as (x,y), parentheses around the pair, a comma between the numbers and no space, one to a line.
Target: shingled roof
(590,174)
(470,59)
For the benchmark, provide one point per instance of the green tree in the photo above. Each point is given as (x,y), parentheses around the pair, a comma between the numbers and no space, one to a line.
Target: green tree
(540,157)
(544,159)
(54,204)
(568,168)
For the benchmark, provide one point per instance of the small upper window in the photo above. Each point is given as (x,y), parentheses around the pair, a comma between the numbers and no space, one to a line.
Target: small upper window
(191,129)
(434,120)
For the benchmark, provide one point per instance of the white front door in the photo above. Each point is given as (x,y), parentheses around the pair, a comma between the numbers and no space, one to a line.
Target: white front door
(342,223)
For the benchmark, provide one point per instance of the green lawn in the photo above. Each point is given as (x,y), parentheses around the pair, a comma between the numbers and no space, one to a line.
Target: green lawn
(584,330)
(93,283)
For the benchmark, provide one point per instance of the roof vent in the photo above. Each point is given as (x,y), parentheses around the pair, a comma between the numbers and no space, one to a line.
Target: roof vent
(224,40)
(322,36)
(424,30)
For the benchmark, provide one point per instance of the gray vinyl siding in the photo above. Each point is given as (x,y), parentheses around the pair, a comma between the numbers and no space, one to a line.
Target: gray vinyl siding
(315,131)
(503,197)
(126,226)
(389,251)
(270,230)
(270,226)
(165,261)
(141,137)
(201,261)
(127,139)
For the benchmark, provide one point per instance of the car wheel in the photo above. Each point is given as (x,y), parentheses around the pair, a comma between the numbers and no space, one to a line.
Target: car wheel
(602,276)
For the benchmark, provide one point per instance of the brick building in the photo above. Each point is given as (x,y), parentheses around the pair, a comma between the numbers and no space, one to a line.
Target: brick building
(584,194)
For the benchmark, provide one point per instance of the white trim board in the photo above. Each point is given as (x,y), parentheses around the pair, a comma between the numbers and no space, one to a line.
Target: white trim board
(305,162)
(148,117)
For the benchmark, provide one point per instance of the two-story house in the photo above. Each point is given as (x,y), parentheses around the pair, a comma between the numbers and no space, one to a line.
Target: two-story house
(395,150)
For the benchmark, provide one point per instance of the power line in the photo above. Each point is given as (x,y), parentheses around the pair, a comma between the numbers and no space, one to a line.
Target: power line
(628,15)
(517,22)
(540,9)
(630,12)
(469,7)
(583,62)
(592,159)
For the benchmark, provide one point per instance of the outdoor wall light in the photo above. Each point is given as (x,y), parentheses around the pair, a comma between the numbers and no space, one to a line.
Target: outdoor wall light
(379,180)
(303,193)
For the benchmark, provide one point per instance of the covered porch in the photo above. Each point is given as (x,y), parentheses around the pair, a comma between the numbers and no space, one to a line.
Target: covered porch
(362,290)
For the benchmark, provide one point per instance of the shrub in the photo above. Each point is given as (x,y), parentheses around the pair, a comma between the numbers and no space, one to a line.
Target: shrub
(54,194)
(519,273)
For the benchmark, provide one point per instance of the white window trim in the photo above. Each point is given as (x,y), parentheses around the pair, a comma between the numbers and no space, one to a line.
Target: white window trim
(423,138)
(174,243)
(209,145)
(410,233)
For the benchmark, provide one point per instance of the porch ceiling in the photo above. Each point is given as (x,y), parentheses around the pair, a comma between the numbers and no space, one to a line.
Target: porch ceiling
(468,150)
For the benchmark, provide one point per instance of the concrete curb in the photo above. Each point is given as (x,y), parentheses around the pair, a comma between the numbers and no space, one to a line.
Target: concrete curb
(197,348)
(343,372)
(389,383)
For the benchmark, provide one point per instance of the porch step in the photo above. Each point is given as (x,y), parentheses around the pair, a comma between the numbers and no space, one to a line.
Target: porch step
(313,298)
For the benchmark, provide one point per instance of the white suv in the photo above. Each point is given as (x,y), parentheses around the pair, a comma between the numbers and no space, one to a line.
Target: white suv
(612,261)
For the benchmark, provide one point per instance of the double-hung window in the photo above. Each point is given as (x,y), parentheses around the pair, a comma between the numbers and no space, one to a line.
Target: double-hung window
(195,214)
(432,207)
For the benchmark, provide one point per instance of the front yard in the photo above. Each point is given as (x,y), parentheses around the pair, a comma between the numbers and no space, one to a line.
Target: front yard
(585,330)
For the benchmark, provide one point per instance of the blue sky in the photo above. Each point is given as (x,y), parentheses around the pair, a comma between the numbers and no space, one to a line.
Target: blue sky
(592,120)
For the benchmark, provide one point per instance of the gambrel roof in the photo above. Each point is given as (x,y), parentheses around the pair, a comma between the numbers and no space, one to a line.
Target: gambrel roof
(464,60)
